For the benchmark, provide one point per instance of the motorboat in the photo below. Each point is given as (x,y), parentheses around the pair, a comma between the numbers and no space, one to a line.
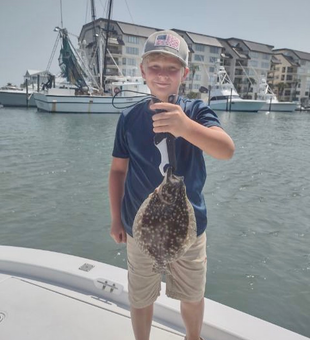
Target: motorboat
(224,96)
(46,295)
(122,93)
(11,96)
(271,101)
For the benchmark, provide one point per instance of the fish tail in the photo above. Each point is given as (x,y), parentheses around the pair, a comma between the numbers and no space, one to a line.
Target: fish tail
(161,268)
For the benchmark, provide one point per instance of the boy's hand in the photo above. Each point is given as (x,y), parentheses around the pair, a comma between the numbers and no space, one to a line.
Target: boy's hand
(174,120)
(118,232)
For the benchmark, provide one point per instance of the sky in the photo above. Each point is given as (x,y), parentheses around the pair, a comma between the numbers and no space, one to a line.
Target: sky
(28,37)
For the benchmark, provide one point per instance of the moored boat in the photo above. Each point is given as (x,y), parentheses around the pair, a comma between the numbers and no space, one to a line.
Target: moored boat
(11,97)
(60,100)
(90,90)
(224,96)
(48,295)
(271,101)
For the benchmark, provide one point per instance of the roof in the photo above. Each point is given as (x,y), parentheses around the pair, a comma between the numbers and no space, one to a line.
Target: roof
(301,55)
(126,28)
(255,46)
(275,60)
(136,30)
(33,72)
(203,39)
(231,52)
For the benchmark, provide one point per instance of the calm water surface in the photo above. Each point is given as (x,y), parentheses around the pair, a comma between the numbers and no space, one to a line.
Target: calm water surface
(54,196)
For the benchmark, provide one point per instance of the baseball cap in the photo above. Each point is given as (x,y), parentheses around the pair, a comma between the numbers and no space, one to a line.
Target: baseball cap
(168,42)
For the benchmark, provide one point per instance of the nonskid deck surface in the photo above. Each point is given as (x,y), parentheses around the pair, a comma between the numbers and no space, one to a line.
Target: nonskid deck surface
(32,310)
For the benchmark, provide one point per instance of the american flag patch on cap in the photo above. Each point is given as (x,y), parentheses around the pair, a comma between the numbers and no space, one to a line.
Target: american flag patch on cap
(168,40)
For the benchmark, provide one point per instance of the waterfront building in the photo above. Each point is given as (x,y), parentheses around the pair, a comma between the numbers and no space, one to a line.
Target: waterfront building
(125,46)
(126,43)
(246,62)
(35,77)
(205,52)
(290,75)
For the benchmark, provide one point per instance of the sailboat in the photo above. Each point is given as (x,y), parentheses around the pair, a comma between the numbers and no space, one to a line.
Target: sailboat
(271,101)
(90,91)
(224,96)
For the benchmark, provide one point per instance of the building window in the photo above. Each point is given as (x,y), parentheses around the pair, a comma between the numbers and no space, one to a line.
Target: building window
(211,69)
(251,72)
(254,55)
(213,59)
(199,57)
(282,77)
(214,49)
(133,40)
(287,92)
(132,50)
(199,48)
(265,65)
(283,69)
(129,61)
(253,63)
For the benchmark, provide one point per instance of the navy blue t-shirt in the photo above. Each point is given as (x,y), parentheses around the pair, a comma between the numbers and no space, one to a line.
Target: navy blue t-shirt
(134,140)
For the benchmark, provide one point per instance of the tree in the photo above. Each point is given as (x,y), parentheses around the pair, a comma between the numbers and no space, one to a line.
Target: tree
(280,87)
(251,81)
(192,69)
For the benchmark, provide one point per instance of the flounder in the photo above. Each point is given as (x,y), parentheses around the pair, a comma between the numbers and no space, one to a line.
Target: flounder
(165,225)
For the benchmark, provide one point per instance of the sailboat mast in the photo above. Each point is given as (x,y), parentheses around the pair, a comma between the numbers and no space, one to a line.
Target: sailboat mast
(106,44)
(93,15)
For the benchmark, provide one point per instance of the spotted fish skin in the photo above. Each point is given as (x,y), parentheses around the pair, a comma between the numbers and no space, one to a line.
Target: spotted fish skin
(165,224)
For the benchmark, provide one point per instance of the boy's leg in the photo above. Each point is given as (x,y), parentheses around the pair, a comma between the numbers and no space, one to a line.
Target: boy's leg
(192,315)
(143,289)
(141,319)
(187,284)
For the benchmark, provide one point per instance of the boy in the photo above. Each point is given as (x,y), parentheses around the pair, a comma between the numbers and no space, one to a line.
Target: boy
(135,174)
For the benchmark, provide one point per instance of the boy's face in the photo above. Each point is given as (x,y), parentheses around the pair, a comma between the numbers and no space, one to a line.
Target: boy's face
(163,74)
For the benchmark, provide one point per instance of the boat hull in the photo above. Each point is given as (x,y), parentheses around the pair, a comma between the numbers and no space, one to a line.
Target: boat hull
(48,295)
(241,105)
(279,107)
(83,104)
(16,99)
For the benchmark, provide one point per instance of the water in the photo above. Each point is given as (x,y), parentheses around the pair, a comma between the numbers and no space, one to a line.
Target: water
(54,196)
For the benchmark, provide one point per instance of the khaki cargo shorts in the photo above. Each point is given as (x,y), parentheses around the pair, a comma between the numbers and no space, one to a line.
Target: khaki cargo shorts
(187,282)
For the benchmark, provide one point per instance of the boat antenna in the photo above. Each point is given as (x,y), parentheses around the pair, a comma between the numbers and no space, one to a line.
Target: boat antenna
(106,44)
(61,23)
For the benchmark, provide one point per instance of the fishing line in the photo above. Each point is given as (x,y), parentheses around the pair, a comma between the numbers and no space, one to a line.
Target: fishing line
(143,99)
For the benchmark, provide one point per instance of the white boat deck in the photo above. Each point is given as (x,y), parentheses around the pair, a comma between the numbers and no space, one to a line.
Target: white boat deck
(49,296)
(35,310)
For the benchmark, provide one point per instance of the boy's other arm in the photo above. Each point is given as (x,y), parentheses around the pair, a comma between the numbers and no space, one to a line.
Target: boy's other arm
(117,178)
